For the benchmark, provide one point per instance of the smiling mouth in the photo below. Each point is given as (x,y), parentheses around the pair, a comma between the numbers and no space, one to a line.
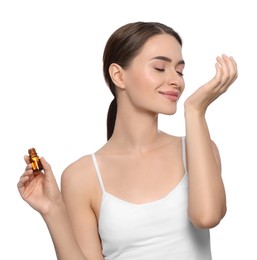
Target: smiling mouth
(171,95)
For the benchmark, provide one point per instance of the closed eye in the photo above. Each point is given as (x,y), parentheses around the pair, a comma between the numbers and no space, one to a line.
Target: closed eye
(158,69)
(180,73)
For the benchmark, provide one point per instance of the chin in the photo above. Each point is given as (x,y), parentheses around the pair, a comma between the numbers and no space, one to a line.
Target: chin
(168,112)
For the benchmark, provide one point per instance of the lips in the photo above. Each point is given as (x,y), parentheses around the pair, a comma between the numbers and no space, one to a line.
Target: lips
(171,95)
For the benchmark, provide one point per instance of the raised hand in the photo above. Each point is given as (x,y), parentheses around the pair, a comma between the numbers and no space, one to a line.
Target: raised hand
(39,190)
(226,74)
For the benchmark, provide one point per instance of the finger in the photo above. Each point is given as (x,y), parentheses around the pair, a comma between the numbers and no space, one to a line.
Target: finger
(47,168)
(230,64)
(26,159)
(28,167)
(28,173)
(27,176)
(45,164)
(225,73)
(234,62)
(234,69)
(22,184)
(218,76)
(23,180)
(216,80)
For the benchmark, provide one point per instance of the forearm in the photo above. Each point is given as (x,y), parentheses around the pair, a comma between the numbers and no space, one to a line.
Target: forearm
(207,200)
(60,229)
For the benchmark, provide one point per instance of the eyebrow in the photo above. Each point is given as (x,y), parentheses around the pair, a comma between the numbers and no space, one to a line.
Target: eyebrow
(164,58)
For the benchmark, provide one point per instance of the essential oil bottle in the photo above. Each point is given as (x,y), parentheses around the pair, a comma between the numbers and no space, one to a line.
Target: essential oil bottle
(35,161)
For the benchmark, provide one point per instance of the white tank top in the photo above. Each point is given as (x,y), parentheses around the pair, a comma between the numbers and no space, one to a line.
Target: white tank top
(158,230)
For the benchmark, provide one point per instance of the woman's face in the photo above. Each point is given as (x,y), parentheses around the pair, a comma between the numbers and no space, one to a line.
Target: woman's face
(154,80)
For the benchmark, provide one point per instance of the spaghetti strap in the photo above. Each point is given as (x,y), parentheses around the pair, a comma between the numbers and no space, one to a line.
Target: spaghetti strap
(184,152)
(98,172)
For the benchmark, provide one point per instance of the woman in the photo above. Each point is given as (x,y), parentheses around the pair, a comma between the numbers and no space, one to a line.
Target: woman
(145,194)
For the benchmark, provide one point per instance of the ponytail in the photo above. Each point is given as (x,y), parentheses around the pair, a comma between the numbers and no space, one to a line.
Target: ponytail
(111,117)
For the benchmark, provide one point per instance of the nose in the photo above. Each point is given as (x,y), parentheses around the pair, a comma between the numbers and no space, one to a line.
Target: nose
(176,81)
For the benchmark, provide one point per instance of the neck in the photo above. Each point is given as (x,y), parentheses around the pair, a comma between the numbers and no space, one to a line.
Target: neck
(135,132)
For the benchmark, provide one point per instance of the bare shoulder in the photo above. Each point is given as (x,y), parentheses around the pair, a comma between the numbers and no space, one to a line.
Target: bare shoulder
(77,170)
(79,177)
(76,167)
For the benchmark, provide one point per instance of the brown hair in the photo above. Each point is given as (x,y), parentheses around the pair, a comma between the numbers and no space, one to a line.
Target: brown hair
(122,46)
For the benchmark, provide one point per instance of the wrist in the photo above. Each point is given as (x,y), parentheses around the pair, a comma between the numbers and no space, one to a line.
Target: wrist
(191,112)
(54,210)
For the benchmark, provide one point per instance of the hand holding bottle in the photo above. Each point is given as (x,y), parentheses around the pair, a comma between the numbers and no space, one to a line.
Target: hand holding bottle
(39,189)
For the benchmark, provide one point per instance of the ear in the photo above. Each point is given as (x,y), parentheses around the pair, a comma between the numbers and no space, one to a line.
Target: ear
(116,74)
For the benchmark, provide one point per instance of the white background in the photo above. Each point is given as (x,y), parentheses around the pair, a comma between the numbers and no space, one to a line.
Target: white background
(53,97)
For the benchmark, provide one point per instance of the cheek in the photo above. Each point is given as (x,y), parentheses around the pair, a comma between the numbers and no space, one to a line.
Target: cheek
(142,80)
(153,78)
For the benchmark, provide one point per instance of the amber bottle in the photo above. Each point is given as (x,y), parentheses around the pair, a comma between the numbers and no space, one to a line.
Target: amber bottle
(35,161)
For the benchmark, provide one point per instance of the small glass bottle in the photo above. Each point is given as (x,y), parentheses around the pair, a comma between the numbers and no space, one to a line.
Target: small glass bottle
(35,161)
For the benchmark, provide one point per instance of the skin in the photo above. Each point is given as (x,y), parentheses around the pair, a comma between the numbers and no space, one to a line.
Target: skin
(152,159)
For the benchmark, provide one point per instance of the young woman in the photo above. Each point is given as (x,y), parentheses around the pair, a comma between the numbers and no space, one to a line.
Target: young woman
(145,194)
